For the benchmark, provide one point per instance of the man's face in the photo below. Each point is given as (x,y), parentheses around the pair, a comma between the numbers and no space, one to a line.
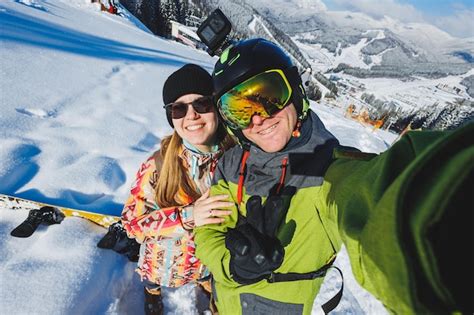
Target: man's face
(273,133)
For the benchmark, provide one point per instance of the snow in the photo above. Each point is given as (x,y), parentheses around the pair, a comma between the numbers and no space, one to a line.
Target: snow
(76,77)
(253,23)
(352,133)
(424,35)
(414,42)
(54,272)
(257,20)
(323,60)
(81,108)
(292,7)
(421,92)
(59,270)
(352,55)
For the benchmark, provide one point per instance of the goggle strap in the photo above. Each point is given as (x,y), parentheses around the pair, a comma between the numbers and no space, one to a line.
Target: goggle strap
(295,81)
(293,76)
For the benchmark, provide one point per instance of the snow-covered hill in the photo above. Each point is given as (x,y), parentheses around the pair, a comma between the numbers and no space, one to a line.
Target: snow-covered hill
(414,70)
(72,78)
(415,48)
(81,107)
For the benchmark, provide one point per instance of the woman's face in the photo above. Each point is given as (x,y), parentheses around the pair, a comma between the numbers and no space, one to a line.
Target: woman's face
(197,129)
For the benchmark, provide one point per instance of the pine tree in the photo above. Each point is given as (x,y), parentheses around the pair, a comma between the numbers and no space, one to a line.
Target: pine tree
(453,115)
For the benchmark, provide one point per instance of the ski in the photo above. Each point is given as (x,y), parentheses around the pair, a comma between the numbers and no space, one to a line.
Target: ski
(42,213)
(16,203)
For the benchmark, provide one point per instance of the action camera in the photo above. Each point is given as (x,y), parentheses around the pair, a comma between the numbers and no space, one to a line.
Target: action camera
(213,32)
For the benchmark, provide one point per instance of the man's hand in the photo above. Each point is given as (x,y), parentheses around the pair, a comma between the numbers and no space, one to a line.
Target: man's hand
(254,248)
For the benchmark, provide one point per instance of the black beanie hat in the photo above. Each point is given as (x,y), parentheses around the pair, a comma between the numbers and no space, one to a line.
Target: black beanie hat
(189,79)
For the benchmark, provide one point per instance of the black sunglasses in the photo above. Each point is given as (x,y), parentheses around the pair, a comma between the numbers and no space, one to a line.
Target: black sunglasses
(201,105)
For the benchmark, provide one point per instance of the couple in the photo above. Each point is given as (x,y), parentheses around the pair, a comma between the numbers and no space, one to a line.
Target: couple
(284,200)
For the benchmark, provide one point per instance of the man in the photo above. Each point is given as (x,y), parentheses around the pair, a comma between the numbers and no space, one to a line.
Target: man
(299,195)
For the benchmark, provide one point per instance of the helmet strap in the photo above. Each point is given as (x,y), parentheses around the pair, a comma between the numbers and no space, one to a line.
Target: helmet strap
(243,142)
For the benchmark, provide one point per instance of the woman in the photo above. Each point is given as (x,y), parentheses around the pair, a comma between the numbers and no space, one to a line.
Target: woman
(169,196)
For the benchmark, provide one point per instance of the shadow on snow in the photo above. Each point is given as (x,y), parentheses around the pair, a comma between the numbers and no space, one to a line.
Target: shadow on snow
(20,28)
(99,203)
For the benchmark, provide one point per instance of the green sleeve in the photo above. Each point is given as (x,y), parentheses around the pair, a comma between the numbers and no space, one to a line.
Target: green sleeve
(210,239)
(405,218)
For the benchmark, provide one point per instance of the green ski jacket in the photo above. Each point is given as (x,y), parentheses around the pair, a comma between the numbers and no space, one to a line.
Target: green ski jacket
(403,216)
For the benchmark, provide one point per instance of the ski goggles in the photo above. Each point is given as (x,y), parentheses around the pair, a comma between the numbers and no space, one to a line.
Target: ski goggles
(201,105)
(263,94)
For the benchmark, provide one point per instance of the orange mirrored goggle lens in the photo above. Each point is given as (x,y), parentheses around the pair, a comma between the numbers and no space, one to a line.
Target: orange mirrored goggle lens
(263,94)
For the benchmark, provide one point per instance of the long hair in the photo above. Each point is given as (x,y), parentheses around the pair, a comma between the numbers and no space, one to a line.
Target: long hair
(174,177)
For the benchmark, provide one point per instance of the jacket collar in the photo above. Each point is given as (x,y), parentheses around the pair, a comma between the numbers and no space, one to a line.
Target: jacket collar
(197,162)
(312,129)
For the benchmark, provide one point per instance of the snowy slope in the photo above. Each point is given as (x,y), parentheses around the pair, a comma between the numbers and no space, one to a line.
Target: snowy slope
(76,77)
(410,68)
(80,108)
(346,37)
(59,270)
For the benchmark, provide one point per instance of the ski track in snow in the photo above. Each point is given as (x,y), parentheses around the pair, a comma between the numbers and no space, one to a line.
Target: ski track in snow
(76,116)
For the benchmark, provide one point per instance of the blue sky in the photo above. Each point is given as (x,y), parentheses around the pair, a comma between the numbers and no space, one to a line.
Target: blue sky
(454,17)
(440,7)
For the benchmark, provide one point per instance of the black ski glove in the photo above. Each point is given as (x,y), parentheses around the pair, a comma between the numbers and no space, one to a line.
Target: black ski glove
(45,215)
(117,240)
(254,248)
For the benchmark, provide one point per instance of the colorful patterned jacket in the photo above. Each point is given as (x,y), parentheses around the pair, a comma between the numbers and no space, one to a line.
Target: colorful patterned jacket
(167,251)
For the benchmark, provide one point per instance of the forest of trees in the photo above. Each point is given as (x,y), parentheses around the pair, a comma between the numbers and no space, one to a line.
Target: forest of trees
(434,117)
(157,14)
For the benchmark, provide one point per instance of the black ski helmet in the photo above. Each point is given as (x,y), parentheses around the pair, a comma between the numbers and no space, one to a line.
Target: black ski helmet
(247,58)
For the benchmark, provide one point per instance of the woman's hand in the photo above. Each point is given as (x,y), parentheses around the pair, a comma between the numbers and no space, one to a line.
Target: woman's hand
(207,209)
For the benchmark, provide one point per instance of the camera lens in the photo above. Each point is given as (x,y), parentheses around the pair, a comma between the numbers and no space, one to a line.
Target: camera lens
(207,34)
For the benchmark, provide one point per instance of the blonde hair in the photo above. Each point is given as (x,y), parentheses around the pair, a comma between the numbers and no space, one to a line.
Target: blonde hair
(173,176)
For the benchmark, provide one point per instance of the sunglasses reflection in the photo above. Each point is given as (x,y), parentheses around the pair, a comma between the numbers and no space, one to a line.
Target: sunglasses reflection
(201,105)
